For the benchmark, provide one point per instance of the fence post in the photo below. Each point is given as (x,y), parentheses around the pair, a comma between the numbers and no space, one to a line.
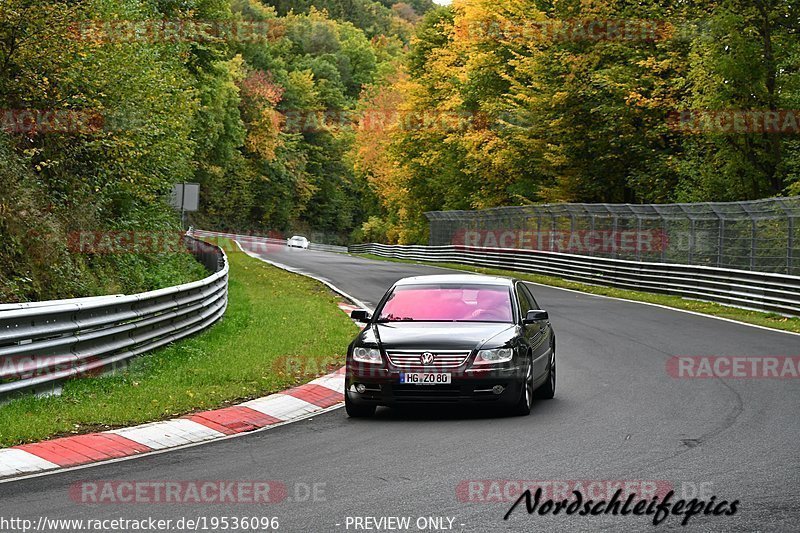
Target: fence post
(790,247)
(638,238)
(539,232)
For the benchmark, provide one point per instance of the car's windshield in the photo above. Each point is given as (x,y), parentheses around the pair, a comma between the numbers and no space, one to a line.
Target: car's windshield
(447,303)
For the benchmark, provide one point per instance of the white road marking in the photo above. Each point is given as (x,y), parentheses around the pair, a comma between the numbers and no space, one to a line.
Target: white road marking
(335,382)
(14,461)
(168,434)
(282,406)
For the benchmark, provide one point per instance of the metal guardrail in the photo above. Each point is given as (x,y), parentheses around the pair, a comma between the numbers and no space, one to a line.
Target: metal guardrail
(328,248)
(44,343)
(762,291)
(311,245)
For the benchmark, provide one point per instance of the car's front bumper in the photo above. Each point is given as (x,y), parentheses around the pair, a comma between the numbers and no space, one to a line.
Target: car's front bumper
(383,387)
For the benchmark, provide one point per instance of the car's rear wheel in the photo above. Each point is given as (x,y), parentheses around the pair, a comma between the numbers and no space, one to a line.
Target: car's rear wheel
(355,410)
(523,406)
(548,390)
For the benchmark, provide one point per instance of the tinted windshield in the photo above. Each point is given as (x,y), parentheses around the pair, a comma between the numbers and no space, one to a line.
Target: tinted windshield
(448,303)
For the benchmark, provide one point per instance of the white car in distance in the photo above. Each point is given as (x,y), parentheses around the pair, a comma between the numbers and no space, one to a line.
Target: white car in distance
(298,242)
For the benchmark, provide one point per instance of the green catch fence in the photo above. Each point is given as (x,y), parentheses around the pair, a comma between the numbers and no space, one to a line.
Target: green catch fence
(761,235)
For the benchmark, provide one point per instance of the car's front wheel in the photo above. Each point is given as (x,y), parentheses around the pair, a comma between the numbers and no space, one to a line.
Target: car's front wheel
(355,410)
(523,406)
(548,390)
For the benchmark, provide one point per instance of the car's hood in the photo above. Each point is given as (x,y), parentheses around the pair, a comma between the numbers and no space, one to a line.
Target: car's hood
(437,335)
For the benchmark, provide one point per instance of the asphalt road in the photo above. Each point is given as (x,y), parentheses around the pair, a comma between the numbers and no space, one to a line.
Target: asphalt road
(617,415)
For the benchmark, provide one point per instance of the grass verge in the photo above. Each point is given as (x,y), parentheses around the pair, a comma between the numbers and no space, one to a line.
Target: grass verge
(770,320)
(280,330)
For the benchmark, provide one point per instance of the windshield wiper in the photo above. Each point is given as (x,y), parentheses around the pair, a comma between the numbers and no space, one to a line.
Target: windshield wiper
(393,319)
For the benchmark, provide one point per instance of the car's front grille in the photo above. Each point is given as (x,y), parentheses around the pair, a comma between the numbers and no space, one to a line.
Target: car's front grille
(441,393)
(413,359)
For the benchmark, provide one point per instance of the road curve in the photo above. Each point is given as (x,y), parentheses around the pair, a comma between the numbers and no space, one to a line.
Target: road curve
(618,415)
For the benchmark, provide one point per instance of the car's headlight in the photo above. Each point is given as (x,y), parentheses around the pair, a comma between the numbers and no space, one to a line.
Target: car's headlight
(367,355)
(490,357)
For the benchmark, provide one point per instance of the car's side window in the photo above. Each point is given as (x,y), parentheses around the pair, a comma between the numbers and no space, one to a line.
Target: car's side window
(531,299)
(522,298)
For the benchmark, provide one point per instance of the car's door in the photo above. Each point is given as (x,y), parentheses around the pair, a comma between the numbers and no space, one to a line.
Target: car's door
(535,333)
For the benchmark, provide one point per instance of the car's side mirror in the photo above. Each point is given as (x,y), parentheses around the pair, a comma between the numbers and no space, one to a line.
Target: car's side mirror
(359,315)
(536,316)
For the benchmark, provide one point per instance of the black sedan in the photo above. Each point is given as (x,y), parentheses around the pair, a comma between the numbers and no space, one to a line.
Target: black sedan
(452,339)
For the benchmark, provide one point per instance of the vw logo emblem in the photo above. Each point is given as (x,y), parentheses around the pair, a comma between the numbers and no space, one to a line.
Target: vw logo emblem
(427,358)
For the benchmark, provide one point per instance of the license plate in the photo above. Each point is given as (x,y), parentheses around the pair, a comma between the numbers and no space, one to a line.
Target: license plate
(421,378)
